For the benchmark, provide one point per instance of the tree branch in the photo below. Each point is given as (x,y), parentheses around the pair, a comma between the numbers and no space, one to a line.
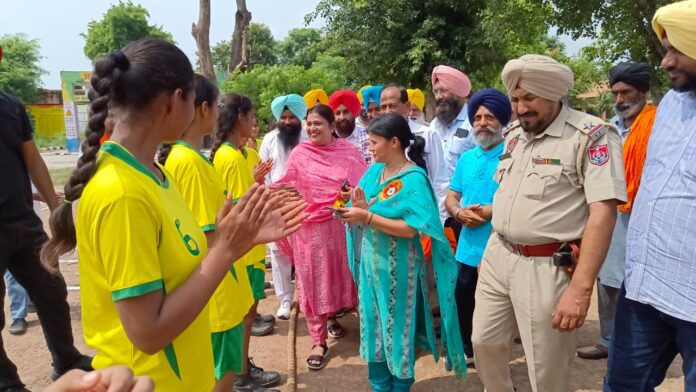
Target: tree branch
(201,33)
(239,57)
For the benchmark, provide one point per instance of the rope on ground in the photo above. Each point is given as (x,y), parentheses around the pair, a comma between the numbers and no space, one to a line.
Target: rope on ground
(291,351)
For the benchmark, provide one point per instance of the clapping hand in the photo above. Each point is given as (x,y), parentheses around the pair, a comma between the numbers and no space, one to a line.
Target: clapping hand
(261,170)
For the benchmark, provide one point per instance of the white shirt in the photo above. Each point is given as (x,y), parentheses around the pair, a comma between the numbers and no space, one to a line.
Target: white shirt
(272,148)
(435,163)
(453,141)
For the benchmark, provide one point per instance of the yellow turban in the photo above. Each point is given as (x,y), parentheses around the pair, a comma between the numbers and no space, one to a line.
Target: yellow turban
(678,20)
(539,75)
(416,97)
(315,95)
(359,93)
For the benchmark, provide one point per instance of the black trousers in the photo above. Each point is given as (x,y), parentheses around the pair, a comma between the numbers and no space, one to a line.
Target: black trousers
(464,293)
(20,243)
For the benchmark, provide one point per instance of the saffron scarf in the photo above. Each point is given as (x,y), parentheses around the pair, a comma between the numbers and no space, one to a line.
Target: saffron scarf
(634,151)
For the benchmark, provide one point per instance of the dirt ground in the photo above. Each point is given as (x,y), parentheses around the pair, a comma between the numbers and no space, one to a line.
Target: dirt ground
(345,370)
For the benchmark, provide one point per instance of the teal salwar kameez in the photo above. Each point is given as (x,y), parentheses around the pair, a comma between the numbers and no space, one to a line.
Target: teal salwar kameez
(392,281)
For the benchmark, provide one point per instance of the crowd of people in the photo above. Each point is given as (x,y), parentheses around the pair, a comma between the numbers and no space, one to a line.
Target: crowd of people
(491,223)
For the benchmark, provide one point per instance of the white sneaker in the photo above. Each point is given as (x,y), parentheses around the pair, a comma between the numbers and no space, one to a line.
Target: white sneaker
(284,310)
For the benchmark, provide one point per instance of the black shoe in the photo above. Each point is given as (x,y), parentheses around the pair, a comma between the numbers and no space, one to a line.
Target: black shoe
(84,363)
(261,328)
(19,326)
(267,285)
(31,308)
(266,318)
(264,379)
(249,384)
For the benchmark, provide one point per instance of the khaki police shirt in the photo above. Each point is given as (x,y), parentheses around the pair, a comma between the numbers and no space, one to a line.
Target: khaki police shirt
(540,199)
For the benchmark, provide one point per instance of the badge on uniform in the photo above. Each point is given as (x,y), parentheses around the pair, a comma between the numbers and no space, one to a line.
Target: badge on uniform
(599,155)
(510,147)
(461,133)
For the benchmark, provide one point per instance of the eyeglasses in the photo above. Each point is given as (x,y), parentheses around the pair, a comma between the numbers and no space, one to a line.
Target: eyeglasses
(442,91)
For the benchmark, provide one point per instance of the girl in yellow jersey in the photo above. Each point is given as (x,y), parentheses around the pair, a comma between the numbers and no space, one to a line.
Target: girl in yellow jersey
(146,273)
(204,193)
(235,163)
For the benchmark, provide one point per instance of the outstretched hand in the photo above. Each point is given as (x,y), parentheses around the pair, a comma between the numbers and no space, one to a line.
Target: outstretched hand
(285,218)
(239,223)
(111,379)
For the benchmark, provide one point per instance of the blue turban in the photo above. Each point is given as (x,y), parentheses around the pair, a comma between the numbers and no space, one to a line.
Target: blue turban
(295,103)
(493,100)
(371,94)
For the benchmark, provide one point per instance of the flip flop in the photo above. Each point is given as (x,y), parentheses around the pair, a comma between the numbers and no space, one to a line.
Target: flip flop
(321,359)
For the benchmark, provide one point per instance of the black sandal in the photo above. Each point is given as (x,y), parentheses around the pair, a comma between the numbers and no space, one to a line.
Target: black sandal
(320,359)
(335,330)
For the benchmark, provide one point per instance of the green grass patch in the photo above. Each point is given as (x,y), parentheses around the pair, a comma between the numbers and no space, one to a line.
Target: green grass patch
(60,176)
(43,141)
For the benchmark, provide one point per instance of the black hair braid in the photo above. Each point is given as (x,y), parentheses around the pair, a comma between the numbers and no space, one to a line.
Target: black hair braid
(64,239)
(163,153)
(219,138)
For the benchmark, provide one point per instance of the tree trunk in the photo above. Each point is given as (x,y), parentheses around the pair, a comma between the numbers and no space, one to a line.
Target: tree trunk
(647,11)
(239,58)
(201,33)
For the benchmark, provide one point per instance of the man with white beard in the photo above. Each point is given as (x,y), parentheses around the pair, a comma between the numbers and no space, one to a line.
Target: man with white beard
(470,198)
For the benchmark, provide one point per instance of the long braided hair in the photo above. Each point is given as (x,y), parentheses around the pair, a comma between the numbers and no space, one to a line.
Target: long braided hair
(206,92)
(232,106)
(129,78)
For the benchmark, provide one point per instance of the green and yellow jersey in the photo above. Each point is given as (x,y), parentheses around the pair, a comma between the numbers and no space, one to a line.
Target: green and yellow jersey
(236,166)
(135,235)
(204,193)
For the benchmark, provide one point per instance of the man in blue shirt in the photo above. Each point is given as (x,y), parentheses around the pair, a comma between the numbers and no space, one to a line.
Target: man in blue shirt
(656,312)
(470,197)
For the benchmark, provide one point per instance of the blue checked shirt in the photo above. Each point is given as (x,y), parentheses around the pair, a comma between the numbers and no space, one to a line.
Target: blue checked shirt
(661,239)
(473,179)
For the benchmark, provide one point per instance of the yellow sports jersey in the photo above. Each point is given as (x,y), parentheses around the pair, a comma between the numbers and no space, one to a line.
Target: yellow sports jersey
(135,235)
(237,170)
(204,194)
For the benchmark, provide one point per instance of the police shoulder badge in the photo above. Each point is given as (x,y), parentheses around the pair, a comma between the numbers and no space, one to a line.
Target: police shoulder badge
(599,155)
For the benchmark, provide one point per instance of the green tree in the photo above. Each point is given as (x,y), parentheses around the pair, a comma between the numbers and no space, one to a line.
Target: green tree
(261,45)
(392,40)
(263,83)
(122,23)
(622,28)
(20,74)
(261,48)
(301,47)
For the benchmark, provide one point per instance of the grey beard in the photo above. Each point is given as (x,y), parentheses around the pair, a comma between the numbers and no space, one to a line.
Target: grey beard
(488,140)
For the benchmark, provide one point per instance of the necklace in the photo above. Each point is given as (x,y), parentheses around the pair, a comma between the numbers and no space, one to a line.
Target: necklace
(395,173)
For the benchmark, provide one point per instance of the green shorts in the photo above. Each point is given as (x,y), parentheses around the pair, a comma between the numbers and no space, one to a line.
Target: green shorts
(257,280)
(227,351)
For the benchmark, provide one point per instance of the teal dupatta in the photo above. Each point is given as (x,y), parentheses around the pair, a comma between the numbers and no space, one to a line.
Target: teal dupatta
(391,277)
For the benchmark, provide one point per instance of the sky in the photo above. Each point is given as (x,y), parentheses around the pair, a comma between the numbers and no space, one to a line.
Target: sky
(58,24)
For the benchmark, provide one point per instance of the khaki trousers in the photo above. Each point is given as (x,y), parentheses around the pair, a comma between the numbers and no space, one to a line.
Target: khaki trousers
(520,292)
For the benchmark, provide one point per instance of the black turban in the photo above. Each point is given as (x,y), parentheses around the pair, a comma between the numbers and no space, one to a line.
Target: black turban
(634,74)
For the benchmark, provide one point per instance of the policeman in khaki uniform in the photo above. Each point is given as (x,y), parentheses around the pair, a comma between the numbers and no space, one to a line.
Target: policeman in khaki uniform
(560,179)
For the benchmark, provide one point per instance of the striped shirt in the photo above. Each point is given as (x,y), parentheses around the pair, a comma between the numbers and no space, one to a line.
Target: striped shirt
(660,250)
(361,141)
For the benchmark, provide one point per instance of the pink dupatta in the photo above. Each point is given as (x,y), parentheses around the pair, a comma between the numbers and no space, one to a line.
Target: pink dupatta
(318,172)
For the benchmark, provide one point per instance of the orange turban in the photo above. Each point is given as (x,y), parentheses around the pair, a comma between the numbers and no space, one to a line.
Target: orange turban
(347,98)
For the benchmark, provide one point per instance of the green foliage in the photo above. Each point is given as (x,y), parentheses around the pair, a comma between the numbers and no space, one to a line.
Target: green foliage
(625,33)
(301,47)
(261,45)
(122,23)
(261,48)
(392,40)
(263,83)
(20,74)
(221,55)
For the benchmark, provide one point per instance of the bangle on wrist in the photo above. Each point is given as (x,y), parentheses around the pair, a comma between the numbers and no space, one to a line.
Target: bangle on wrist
(369,219)
(456,214)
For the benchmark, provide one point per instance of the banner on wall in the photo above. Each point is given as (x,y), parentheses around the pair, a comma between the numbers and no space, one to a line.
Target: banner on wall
(75,86)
